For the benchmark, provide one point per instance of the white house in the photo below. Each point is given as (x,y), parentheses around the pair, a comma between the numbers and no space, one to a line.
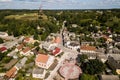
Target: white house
(3,34)
(44,61)
(72,45)
(38,73)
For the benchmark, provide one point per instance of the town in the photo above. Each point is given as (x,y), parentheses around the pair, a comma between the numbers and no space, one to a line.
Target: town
(71,52)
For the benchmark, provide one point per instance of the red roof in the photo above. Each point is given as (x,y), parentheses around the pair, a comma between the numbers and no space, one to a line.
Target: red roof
(26,49)
(20,46)
(3,49)
(56,51)
(11,72)
(42,58)
(87,47)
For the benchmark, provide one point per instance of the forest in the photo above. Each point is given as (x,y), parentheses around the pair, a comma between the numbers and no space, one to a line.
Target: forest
(26,22)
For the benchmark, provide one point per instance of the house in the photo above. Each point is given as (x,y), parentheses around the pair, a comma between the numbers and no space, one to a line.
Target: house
(29,40)
(56,51)
(57,40)
(19,47)
(73,45)
(87,49)
(21,63)
(26,52)
(11,73)
(114,63)
(3,34)
(44,61)
(109,77)
(38,73)
(48,46)
(3,49)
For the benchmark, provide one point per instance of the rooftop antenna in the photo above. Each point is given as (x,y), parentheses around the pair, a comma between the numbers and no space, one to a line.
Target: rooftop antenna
(40,12)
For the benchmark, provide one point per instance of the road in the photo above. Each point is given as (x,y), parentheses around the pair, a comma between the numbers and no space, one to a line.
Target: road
(68,53)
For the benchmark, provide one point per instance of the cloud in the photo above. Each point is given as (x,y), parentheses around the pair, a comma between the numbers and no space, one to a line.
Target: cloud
(5,0)
(60,4)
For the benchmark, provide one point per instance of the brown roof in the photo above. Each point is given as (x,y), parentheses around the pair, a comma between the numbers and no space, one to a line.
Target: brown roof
(42,58)
(20,47)
(11,72)
(26,49)
(87,47)
(27,39)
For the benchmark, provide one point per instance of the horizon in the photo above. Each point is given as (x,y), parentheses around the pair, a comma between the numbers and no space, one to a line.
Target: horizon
(59,4)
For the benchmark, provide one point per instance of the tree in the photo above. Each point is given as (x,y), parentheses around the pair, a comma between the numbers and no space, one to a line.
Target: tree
(1,40)
(93,67)
(88,77)
(36,44)
(101,40)
(81,58)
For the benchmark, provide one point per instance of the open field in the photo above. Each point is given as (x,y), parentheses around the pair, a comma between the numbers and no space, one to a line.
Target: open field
(28,16)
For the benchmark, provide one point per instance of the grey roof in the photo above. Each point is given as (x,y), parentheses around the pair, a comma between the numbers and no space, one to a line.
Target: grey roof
(115,56)
(21,62)
(38,70)
(109,77)
(113,63)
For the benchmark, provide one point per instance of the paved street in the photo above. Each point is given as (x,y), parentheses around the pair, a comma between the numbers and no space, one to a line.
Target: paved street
(68,53)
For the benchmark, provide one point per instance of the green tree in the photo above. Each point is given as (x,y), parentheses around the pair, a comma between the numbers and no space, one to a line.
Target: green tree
(81,58)
(1,40)
(36,44)
(88,77)
(93,67)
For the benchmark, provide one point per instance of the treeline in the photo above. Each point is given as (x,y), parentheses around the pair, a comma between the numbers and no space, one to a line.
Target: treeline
(89,20)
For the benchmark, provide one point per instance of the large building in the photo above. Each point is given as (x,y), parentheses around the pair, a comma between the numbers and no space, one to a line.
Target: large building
(69,70)
(44,61)
(87,49)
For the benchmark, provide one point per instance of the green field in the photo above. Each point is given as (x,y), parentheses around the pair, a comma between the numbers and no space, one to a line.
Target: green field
(30,16)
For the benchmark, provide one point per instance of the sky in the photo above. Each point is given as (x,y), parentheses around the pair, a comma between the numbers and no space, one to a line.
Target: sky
(59,4)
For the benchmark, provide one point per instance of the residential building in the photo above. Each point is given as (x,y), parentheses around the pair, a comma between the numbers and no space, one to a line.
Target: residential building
(10,75)
(109,77)
(26,52)
(73,45)
(114,63)
(3,34)
(21,63)
(48,46)
(3,49)
(29,40)
(56,51)
(44,61)
(38,73)
(19,47)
